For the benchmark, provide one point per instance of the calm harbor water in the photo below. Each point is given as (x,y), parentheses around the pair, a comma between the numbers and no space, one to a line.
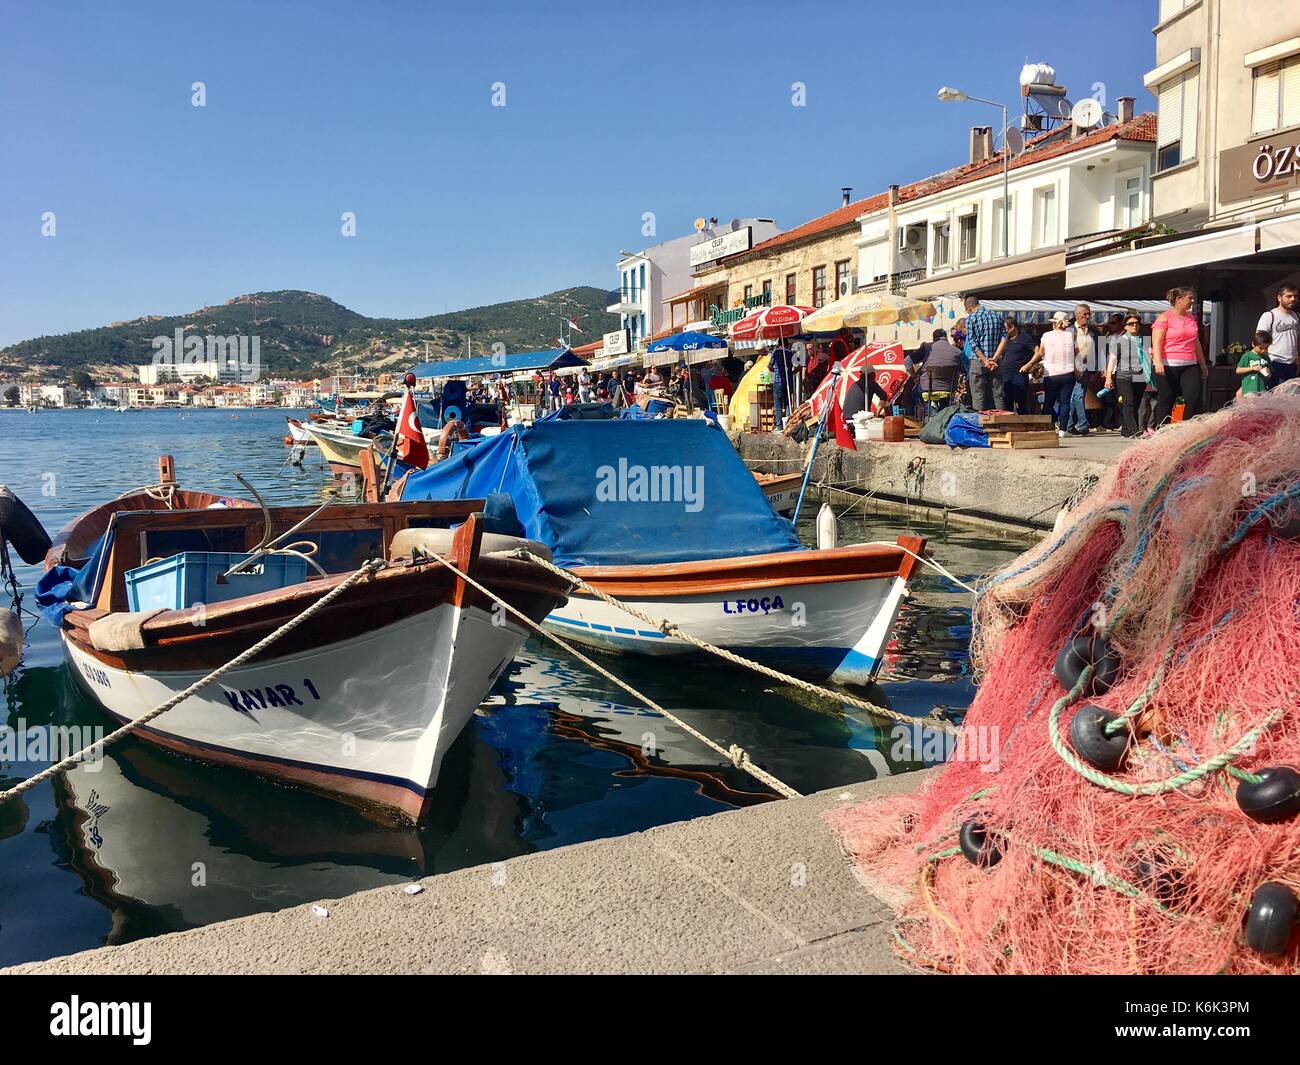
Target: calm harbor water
(152,842)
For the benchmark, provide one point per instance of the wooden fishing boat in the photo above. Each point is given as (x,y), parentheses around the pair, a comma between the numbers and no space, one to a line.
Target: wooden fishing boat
(298,433)
(342,449)
(781,489)
(363,699)
(664,516)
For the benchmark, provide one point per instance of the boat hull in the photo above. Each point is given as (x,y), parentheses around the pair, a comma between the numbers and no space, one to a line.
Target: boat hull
(341,451)
(375,743)
(820,615)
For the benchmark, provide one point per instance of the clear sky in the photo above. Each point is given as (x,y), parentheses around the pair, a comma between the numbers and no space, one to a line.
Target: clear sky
(385,109)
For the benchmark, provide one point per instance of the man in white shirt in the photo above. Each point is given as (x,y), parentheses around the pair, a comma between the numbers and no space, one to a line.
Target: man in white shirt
(1283,325)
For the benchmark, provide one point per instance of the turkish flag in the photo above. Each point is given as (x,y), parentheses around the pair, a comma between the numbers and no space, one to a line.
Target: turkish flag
(843,434)
(411,447)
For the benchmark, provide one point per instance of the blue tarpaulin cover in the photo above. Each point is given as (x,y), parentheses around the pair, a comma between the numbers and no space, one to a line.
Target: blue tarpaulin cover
(618,493)
(61,586)
(964,430)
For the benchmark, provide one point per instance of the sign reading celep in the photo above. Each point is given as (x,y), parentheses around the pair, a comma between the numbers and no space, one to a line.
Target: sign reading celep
(1268,165)
(727,244)
(614,343)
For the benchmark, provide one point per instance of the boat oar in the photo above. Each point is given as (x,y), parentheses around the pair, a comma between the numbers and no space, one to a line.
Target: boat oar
(821,424)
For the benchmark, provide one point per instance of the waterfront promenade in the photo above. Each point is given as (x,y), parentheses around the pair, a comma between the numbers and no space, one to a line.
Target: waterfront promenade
(760,890)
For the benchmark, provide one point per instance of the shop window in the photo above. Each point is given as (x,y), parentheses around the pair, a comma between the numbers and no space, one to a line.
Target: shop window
(1176,124)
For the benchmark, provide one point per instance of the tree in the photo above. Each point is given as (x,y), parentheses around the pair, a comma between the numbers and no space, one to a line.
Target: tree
(12,395)
(83,382)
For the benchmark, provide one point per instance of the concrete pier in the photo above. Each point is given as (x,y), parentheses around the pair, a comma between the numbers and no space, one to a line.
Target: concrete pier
(1023,488)
(760,890)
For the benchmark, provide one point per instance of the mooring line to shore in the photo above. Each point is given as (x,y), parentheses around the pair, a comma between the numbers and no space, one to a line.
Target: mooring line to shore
(669,629)
(80,756)
(736,755)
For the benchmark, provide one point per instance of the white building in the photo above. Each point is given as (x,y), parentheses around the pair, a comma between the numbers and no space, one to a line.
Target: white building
(648,277)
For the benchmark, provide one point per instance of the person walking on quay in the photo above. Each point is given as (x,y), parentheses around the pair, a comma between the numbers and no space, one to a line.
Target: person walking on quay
(1128,371)
(584,386)
(1255,367)
(1282,324)
(1015,352)
(1056,354)
(984,333)
(1177,357)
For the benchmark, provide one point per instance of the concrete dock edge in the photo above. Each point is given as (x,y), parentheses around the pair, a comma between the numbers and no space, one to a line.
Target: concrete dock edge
(765,889)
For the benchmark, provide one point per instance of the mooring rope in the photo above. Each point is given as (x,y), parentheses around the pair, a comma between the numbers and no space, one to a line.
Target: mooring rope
(669,629)
(736,755)
(80,756)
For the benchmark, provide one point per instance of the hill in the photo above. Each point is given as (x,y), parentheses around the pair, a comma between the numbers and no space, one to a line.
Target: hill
(303,334)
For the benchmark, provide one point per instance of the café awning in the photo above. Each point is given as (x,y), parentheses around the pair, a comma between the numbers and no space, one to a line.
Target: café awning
(1180,254)
(1014,271)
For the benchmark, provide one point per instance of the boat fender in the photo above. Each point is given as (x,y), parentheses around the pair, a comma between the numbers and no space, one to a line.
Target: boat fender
(19,526)
(827,528)
(1090,740)
(1271,919)
(11,642)
(1275,797)
(977,846)
(1084,651)
(288,440)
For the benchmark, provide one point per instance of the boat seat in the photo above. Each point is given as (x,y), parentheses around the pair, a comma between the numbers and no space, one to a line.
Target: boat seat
(438,542)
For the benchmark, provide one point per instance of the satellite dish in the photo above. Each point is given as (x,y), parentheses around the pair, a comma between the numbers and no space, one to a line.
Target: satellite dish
(699,224)
(1086,114)
(1014,141)
(734,224)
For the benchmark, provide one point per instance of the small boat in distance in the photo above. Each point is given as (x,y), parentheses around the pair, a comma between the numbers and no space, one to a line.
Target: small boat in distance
(156,589)
(343,449)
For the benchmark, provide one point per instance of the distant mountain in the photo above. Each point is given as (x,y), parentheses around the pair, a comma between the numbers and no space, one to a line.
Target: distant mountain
(303,333)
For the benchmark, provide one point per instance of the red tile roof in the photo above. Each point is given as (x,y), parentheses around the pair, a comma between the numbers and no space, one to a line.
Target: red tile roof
(589,349)
(1048,145)
(693,292)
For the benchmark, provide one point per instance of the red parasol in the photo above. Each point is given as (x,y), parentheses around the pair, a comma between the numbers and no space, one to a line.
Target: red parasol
(886,361)
(770,323)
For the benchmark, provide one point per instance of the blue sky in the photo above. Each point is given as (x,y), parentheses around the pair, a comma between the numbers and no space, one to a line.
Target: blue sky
(384,109)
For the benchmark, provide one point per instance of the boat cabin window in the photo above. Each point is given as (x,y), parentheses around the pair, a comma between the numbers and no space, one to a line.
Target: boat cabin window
(339,550)
(163,543)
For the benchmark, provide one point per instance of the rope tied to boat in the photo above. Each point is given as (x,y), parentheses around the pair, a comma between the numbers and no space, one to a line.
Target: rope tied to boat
(669,629)
(735,754)
(80,756)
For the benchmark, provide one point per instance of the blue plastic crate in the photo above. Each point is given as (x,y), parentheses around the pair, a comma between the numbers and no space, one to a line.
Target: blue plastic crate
(191,577)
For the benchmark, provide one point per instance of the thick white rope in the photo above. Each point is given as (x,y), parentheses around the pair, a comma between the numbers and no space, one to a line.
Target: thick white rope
(737,756)
(669,629)
(265,642)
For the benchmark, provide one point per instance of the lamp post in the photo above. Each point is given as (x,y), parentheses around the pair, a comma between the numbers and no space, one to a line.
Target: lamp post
(950,95)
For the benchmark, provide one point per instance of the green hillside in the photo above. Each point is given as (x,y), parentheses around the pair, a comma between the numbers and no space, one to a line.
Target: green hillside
(303,333)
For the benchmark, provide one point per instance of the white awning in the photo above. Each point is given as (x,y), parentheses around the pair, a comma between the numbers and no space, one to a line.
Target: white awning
(1163,258)
(1280,233)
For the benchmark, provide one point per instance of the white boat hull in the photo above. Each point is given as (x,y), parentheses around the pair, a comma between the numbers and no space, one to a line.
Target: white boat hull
(836,630)
(321,718)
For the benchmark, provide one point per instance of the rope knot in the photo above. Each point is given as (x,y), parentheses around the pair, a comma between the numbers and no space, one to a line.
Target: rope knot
(738,756)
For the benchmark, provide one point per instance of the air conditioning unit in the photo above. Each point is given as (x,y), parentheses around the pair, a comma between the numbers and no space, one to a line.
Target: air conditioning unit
(846,287)
(911,238)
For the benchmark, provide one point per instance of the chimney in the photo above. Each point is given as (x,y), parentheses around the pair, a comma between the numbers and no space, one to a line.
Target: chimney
(981,143)
(845,192)
(1125,105)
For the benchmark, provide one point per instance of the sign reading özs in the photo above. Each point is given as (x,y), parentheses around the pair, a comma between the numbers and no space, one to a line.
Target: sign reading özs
(1262,167)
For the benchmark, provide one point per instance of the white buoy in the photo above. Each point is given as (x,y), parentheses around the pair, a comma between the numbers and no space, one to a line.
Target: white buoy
(827,528)
(11,642)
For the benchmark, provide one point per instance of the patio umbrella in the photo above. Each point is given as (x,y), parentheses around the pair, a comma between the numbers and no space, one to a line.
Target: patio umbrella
(770,323)
(863,310)
(886,361)
(688,341)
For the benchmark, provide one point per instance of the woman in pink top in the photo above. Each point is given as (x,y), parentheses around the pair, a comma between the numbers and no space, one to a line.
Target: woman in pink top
(1058,358)
(1179,360)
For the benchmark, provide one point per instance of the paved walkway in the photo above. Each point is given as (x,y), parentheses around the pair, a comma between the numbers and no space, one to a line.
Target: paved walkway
(759,890)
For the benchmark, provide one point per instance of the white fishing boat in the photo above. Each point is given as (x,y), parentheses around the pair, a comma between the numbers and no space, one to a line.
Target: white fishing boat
(664,516)
(299,435)
(360,701)
(342,449)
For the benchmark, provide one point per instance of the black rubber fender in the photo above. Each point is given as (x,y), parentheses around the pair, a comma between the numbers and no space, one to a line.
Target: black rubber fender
(1275,798)
(978,846)
(19,526)
(1091,742)
(1271,919)
(1085,651)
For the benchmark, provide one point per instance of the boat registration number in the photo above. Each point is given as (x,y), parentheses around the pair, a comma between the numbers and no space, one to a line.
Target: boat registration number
(753,606)
(271,695)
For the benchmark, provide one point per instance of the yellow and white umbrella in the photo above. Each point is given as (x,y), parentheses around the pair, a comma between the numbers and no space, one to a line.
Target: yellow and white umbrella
(863,310)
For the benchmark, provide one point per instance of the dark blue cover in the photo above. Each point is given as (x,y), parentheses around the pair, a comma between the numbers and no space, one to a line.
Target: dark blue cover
(593,491)
(964,430)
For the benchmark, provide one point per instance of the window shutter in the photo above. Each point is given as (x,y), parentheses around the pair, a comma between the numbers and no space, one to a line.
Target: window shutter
(1191,112)
(1169,123)
(1264,106)
(1290,92)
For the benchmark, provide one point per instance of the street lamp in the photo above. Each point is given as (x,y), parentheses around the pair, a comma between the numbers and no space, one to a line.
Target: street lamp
(950,95)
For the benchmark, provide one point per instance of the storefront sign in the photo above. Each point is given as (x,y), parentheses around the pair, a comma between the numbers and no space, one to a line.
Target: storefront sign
(615,343)
(1265,166)
(719,317)
(727,244)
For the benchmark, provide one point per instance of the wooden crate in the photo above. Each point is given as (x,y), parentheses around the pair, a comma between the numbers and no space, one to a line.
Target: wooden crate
(1017,422)
(1016,441)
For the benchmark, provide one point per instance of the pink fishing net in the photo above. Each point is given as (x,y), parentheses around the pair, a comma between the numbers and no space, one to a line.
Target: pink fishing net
(1185,558)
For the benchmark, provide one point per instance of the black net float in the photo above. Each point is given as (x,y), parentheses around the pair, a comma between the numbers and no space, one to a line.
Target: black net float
(1275,797)
(1084,651)
(977,845)
(1159,880)
(19,526)
(1091,740)
(1271,919)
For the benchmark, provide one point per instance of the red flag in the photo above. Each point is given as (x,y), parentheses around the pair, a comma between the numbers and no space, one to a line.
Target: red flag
(411,447)
(843,434)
